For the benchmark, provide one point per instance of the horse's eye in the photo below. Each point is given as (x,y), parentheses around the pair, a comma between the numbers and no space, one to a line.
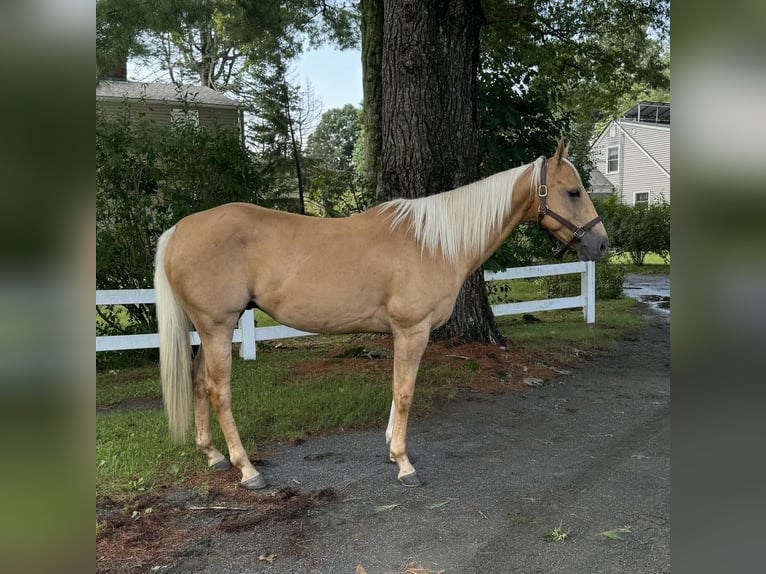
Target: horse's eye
(574,193)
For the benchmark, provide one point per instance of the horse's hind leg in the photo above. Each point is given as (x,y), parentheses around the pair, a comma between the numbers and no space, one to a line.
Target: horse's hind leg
(217,361)
(204,435)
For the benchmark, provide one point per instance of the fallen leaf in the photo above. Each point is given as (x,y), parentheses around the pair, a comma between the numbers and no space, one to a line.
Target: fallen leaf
(413,568)
(267,558)
(438,505)
(614,534)
(386,507)
(360,569)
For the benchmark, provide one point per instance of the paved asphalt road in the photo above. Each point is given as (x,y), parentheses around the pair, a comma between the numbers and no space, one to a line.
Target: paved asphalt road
(589,453)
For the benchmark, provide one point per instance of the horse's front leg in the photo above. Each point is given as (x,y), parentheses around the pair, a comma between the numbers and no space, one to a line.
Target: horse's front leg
(408,350)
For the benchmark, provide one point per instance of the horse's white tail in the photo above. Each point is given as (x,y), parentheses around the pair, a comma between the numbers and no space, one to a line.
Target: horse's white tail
(175,348)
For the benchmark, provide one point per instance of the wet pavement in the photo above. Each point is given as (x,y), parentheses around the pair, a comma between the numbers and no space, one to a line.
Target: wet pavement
(654,290)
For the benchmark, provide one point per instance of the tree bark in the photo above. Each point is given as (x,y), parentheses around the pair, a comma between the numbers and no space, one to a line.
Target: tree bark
(372,81)
(429,138)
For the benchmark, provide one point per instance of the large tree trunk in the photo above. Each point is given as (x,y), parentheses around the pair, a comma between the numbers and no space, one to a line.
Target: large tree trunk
(428,134)
(372,81)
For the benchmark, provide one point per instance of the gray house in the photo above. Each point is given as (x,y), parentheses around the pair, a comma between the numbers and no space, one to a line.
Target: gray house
(169,103)
(631,156)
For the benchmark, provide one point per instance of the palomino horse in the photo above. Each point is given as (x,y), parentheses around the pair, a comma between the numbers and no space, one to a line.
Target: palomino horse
(396,268)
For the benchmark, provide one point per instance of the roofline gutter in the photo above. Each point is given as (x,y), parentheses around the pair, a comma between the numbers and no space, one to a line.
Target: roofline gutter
(234,105)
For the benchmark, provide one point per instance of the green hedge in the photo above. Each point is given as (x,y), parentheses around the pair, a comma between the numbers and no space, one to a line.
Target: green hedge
(149,176)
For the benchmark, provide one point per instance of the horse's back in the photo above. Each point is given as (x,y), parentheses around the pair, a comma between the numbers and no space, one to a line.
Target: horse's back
(237,253)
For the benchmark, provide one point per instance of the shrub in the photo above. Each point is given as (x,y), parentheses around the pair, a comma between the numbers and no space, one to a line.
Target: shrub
(636,229)
(526,245)
(610,278)
(147,178)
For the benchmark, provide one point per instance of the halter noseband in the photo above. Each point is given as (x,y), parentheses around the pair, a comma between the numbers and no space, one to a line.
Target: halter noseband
(543,210)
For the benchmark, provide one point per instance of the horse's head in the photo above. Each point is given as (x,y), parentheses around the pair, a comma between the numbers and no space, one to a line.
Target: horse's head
(565,209)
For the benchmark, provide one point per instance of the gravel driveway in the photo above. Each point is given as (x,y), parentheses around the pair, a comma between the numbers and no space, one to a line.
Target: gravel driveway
(588,453)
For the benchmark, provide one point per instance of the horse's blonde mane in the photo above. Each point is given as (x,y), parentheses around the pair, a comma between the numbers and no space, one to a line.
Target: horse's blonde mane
(461,221)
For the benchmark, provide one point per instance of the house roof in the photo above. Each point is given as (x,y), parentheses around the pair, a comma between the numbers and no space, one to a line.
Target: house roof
(107,89)
(599,183)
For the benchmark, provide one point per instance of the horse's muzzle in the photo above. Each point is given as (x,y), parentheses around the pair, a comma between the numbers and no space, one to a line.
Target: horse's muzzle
(593,247)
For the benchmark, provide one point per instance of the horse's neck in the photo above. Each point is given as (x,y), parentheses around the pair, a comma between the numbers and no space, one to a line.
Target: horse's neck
(521,208)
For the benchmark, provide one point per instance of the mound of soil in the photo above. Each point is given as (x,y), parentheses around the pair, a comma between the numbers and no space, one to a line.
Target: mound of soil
(492,368)
(154,529)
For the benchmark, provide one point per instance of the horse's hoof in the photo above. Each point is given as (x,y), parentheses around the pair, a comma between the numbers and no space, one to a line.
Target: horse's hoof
(223,464)
(256,482)
(410,480)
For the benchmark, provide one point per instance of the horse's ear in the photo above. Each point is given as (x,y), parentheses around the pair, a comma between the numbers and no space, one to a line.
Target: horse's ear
(562,151)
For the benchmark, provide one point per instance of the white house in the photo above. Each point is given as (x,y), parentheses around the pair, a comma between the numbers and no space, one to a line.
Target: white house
(631,156)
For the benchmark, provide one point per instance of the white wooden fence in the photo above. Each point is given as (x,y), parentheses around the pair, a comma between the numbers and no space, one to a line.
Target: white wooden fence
(247,334)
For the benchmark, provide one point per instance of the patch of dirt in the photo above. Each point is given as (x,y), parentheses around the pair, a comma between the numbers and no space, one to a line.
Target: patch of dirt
(490,368)
(284,504)
(142,404)
(154,530)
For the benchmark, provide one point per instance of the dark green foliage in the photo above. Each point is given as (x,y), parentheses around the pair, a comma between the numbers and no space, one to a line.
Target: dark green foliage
(558,68)
(147,178)
(636,229)
(526,245)
(610,278)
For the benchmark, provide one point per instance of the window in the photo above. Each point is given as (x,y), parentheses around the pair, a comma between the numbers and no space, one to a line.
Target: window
(641,197)
(184,116)
(612,159)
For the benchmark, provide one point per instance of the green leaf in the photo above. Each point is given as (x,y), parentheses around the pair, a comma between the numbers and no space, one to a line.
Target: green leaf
(386,507)
(438,505)
(615,533)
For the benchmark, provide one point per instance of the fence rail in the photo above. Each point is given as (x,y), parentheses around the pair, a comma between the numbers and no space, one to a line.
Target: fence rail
(247,334)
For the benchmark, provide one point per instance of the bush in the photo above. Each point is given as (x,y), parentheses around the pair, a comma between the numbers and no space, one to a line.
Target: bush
(610,278)
(526,245)
(147,178)
(636,229)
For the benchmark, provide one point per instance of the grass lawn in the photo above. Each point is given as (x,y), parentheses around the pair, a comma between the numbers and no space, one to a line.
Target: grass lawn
(297,388)
(653,264)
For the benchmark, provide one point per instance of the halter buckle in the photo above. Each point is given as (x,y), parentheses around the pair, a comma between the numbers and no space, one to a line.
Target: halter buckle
(579,233)
(542,191)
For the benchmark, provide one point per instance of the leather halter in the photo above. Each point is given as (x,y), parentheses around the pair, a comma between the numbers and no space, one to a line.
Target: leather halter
(543,210)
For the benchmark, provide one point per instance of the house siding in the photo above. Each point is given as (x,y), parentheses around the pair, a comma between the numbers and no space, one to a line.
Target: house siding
(637,173)
(599,155)
(159,112)
(643,176)
(655,140)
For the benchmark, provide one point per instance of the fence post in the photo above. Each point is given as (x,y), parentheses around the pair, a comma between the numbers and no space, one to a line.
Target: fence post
(247,326)
(588,290)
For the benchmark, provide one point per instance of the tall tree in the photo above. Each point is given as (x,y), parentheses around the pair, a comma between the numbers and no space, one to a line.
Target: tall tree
(284,116)
(215,42)
(420,65)
(332,149)
(426,66)
(565,66)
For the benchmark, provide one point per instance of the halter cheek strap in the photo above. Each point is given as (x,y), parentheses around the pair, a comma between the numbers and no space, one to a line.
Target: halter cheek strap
(543,210)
